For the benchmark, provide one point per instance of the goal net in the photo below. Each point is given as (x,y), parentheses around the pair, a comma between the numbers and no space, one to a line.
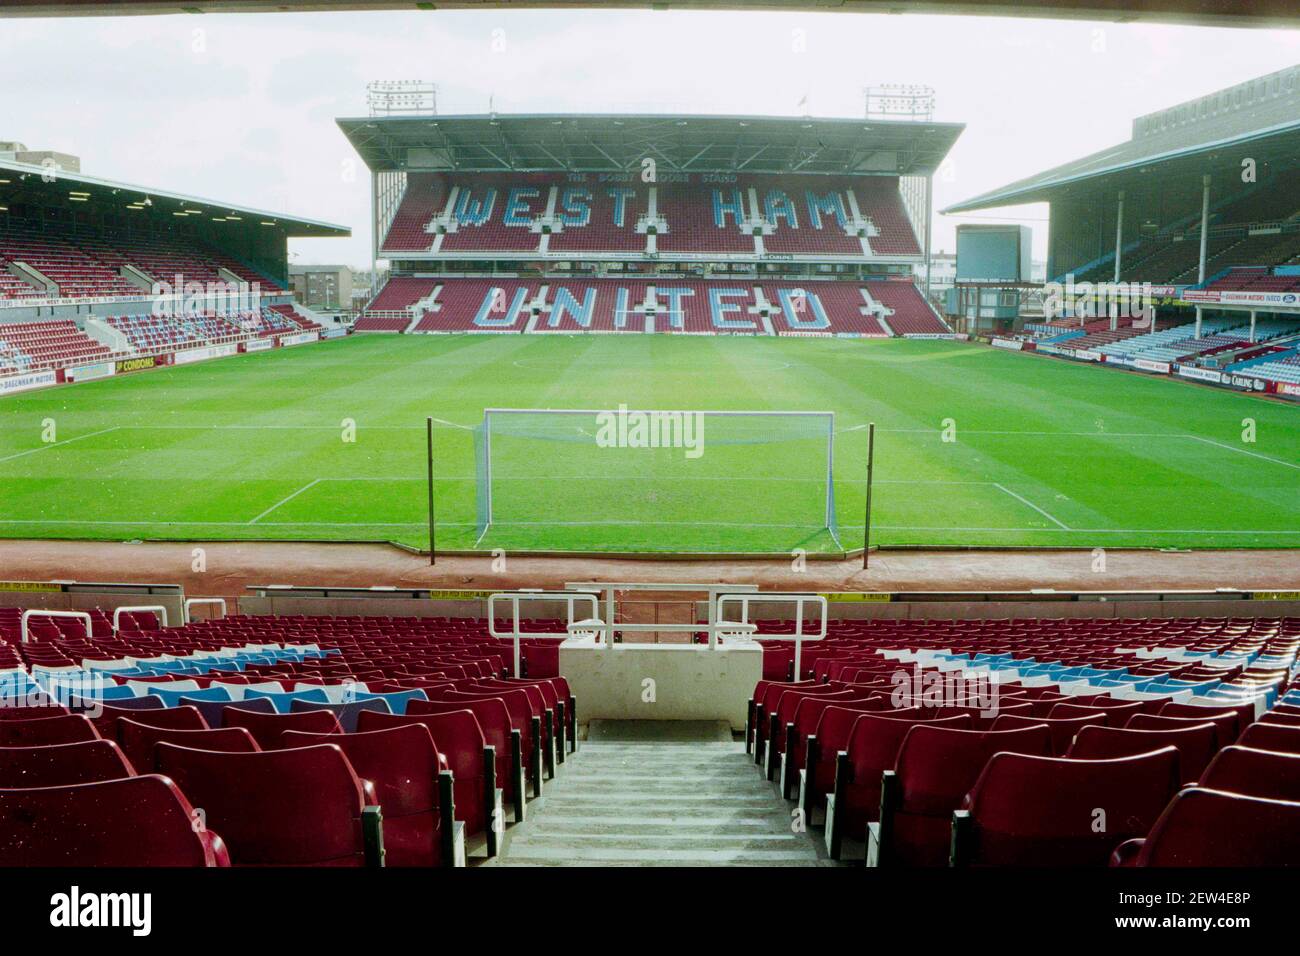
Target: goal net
(655,480)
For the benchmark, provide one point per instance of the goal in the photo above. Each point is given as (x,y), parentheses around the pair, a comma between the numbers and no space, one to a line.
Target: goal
(667,480)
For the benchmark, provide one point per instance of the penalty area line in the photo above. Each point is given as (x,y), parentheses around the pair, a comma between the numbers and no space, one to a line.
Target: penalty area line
(56,444)
(286,499)
(1023,500)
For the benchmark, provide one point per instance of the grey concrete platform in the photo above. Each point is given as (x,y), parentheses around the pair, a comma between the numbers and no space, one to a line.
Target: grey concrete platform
(660,793)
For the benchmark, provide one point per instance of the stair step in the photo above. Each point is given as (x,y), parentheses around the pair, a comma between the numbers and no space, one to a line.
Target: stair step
(671,803)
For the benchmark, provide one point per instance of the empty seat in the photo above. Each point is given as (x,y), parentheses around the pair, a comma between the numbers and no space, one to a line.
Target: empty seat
(1115,715)
(267,728)
(282,702)
(101,824)
(1027,810)
(1204,827)
(499,729)
(822,747)
(346,713)
(471,759)
(1225,723)
(871,749)
(1271,737)
(62,765)
(172,698)
(177,718)
(1063,729)
(103,714)
(935,769)
(1245,714)
(396,700)
(299,807)
(43,731)
(1280,719)
(214,711)
(414,786)
(1196,745)
(138,740)
(803,728)
(1254,773)
(34,711)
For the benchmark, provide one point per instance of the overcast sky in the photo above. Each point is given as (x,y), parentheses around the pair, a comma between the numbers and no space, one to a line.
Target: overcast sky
(241,108)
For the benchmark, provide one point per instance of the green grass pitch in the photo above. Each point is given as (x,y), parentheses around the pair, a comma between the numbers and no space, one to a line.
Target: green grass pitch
(1046,453)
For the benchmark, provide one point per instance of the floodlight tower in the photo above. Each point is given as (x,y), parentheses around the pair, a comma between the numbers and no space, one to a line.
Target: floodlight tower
(395,97)
(908,102)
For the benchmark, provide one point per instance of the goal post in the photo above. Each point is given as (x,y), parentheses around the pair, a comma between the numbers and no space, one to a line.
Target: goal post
(692,478)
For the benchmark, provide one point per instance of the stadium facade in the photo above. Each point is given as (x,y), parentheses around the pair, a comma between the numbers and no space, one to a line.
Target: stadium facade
(99,277)
(641,223)
(1197,216)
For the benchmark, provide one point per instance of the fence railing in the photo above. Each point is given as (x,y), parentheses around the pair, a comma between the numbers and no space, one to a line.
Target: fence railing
(516,632)
(800,601)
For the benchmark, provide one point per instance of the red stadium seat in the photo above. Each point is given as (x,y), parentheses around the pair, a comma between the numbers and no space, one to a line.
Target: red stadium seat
(1225,724)
(872,749)
(1063,729)
(761,705)
(300,807)
(1205,828)
(936,767)
(100,824)
(176,718)
(1050,811)
(823,745)
(1196,745)
(1115,715)
(1254,773)
(1280,720)
(138,741)
(1245,714)
(346,713)
(33,712)
(43,731)
(472,761)
(500,733)
(803,727)
(1271,737)
(267,728)
(62,765)
(414,786)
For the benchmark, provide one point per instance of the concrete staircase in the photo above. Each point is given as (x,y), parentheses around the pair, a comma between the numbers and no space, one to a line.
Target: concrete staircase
(647,793)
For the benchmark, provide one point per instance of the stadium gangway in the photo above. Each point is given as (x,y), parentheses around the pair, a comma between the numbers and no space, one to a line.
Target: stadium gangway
(751,631)
(38,612)
(609,590)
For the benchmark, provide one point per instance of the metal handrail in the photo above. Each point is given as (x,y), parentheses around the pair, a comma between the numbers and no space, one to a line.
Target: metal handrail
(570,599)
(799,599)
(190,602)
(117,613)
(82,615)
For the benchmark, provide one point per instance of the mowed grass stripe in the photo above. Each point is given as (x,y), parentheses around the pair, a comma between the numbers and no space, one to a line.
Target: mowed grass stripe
(204,450)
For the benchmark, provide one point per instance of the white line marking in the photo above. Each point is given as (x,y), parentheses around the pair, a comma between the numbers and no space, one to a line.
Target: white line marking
(443,421)
(311,484)
(1252,454)
(1022,498)
(56,444)
(841,431)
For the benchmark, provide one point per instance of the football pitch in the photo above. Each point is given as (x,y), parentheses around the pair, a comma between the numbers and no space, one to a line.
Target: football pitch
(974,447)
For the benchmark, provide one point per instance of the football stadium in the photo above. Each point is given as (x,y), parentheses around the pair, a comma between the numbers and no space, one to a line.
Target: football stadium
(657,502)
